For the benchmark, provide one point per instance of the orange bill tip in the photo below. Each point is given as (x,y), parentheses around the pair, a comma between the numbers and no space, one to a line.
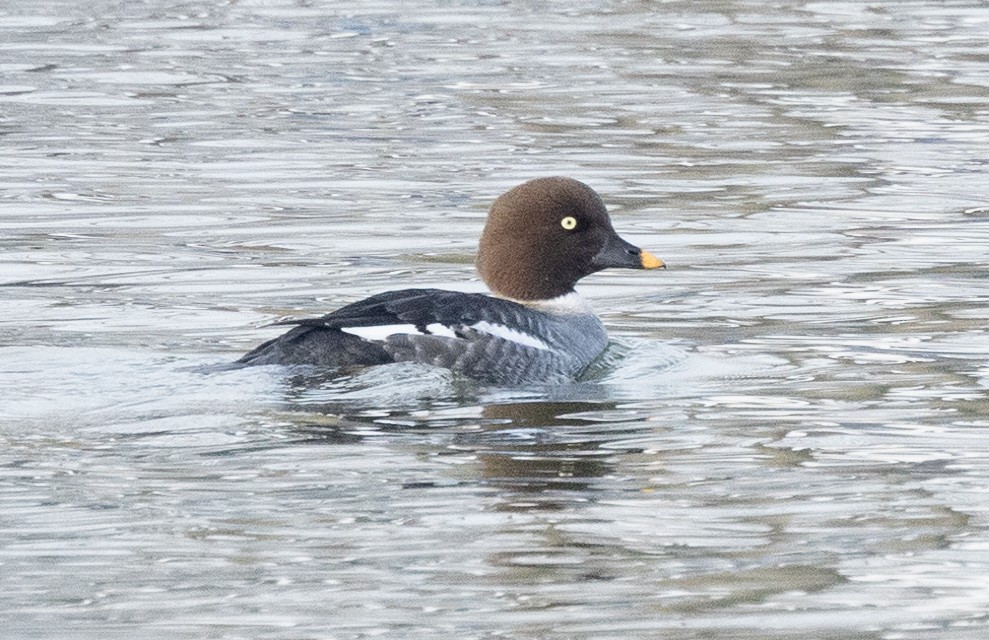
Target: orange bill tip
(649,261)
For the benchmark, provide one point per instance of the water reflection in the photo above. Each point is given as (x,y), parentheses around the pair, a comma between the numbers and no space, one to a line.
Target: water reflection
(528,447)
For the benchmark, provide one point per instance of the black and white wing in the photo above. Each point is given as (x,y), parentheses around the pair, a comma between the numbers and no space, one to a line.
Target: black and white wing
(483,337)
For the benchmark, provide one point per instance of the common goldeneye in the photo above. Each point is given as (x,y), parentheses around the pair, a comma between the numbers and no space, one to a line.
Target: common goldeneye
(540,238)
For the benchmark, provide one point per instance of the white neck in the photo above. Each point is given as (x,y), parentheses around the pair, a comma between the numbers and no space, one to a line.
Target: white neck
(571,302)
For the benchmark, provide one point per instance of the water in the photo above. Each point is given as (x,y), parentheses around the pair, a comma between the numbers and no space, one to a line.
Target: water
(787,440)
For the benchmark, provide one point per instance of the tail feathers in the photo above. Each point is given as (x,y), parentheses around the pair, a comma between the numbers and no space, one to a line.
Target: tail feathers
(307,345)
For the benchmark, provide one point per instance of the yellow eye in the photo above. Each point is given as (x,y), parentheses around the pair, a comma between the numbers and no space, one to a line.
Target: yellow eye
(569,223)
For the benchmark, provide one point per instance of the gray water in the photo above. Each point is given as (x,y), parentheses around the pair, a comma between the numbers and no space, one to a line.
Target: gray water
(787,439)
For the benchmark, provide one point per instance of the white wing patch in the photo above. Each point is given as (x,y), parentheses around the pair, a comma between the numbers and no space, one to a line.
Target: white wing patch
(382,332)
(438,329)
(512,335)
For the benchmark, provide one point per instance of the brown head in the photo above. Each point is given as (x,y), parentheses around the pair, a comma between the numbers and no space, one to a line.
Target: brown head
(542,236)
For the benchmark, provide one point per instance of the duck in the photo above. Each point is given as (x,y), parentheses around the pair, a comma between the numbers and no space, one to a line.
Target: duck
(539,240)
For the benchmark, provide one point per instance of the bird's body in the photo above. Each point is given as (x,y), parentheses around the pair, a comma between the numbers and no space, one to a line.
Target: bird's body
(540,239)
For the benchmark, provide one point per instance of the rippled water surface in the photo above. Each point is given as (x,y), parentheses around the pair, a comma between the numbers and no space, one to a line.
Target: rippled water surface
(787,439)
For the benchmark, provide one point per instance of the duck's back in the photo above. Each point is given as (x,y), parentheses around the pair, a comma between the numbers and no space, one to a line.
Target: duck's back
(486,338)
